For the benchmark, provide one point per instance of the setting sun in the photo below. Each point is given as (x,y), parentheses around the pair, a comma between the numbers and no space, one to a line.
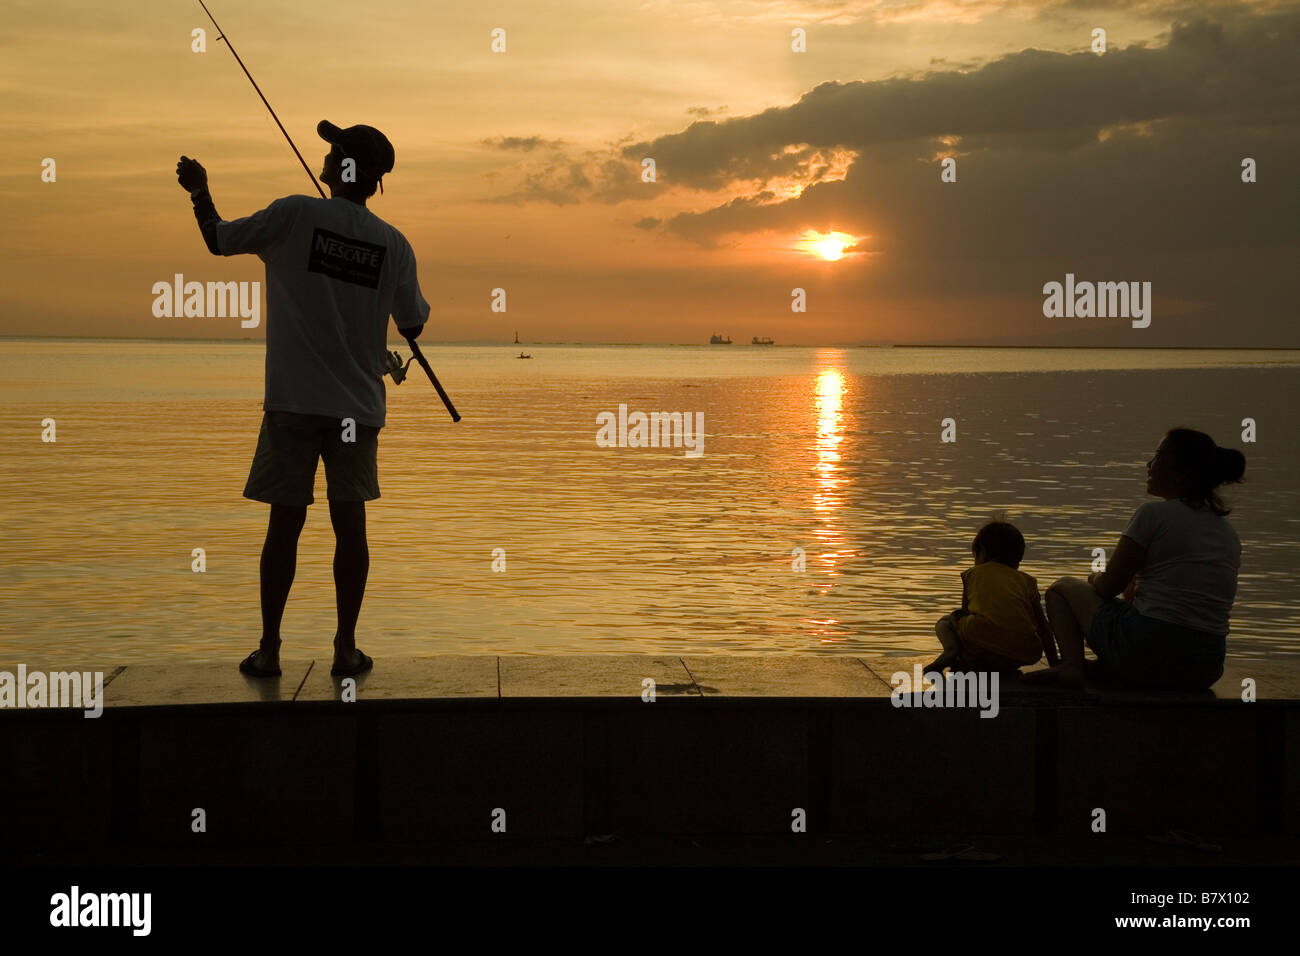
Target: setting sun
(831,249)
(830,246)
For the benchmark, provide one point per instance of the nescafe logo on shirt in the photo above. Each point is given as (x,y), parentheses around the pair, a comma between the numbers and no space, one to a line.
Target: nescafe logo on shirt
(349,260)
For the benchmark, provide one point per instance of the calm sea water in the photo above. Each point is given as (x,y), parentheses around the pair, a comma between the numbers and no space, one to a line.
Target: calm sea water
(833,451)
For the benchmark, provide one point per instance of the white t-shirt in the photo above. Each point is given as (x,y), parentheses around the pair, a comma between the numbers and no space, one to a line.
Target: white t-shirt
(1193,555)
(334,273)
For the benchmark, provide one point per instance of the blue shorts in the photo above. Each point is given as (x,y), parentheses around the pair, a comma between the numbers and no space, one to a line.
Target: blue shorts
(290,444)
(1142,651)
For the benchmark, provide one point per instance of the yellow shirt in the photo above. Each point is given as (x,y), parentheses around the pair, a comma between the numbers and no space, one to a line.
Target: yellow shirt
(1002,602)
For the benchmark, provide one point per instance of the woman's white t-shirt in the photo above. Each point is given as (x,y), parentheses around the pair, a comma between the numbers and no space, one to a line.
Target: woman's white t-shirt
(1190,575)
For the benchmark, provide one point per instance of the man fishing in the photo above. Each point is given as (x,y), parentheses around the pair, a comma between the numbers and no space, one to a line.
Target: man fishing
(334,273)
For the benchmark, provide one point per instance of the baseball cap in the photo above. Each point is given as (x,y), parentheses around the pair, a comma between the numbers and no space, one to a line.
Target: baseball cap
(368,147)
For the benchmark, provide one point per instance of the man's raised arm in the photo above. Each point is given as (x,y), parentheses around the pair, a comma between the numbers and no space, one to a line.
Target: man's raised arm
(194,178)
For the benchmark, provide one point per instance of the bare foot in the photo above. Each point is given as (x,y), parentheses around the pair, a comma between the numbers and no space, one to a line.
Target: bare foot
(1063,675)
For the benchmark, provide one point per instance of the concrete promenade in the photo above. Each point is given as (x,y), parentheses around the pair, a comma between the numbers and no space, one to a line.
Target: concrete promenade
(524,758)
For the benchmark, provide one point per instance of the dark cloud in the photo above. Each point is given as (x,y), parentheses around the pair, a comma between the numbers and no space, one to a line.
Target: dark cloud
(523,143)
(1205,71)
(1041,100)
(844,12)
(561,182)
(1125,166)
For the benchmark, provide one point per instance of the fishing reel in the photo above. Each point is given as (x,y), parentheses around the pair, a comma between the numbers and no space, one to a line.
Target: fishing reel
(396,368)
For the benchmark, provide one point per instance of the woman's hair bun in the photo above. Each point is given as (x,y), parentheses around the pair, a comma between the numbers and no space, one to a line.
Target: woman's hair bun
(1204,465)
(1230,465)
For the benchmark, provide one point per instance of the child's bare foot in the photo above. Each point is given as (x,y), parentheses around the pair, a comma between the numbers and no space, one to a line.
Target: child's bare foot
(1063,675)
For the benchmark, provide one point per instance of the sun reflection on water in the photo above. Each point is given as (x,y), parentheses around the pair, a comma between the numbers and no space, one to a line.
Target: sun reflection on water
(830,433)
(830,399)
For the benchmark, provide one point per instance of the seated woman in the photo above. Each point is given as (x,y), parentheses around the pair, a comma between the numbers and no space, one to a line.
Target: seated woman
(1177,563)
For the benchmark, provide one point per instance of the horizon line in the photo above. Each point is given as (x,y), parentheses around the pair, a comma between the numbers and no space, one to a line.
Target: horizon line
(848,345)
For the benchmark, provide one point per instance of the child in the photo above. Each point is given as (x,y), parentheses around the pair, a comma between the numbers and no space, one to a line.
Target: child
(1001,625)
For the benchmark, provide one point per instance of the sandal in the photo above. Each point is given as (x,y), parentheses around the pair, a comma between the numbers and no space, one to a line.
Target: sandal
(365,665)
(246,666)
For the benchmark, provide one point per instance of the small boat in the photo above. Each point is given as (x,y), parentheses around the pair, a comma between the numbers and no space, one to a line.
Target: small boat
(522,355)
(762,341)
(719,340)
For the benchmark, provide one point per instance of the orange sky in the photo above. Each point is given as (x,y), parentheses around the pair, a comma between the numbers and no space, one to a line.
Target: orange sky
(521,170)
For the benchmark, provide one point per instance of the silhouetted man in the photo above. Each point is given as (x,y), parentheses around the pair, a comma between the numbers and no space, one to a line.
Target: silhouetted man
(334,273)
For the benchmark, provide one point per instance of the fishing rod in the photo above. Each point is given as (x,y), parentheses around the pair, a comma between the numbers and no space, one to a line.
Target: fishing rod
(221,35)
(415,349)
